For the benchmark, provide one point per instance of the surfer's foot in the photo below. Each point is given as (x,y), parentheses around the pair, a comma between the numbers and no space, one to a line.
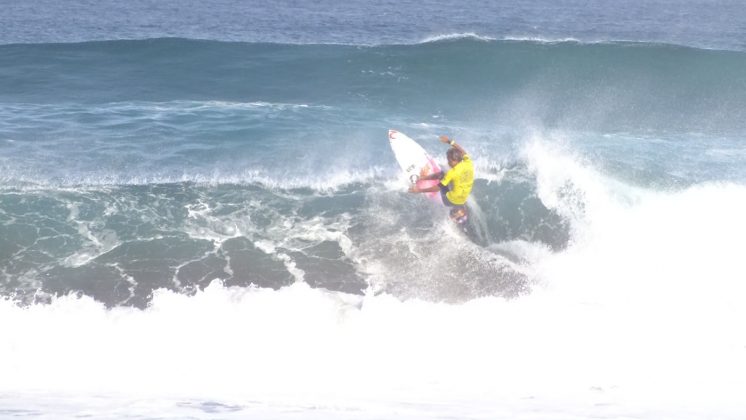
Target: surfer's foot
(458,215)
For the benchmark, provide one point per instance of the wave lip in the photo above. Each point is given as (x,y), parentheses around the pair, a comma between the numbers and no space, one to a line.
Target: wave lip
(536,39)
(456,36)
(550,40)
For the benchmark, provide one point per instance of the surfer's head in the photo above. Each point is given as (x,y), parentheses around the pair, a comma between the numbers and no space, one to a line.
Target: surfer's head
(454,157)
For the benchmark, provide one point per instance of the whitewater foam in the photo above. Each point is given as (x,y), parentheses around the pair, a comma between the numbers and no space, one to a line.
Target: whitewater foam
(640,312)
(328,183)
(455,36)
(301,341)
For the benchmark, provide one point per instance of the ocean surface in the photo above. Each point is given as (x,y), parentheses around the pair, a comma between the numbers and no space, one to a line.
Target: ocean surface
(201,217)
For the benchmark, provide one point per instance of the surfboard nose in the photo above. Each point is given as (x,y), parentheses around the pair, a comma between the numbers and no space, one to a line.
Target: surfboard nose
(392,133)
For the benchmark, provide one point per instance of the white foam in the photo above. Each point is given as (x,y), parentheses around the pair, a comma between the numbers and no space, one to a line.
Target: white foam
(672,250)
(329,182)
(546,40)
(641,316)
(456,36)
(518,38)
(96,244)
(301,345)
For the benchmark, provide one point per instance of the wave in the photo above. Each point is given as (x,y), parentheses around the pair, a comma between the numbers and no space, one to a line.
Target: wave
(624,289)
(364,232)
(535,39)
(335,232)
(158,276)
(455,36)
(613,86)
(429,39)
(443,38)
(119,243)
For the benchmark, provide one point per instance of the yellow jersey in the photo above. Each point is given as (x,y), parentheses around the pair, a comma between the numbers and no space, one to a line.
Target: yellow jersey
(462,176)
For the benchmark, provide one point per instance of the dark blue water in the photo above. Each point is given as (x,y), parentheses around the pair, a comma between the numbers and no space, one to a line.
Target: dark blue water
(699,23)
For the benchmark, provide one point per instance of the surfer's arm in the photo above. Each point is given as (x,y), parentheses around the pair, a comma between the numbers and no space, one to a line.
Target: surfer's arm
(416,189)
(431,177)
(453,144)
(425,175)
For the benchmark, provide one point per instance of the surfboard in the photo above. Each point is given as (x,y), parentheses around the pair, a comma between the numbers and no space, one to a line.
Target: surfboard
(412,158)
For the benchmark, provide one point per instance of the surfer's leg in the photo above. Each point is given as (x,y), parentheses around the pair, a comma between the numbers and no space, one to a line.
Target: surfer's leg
(444,197)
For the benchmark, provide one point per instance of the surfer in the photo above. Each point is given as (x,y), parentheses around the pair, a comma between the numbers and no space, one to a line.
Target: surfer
(460,178)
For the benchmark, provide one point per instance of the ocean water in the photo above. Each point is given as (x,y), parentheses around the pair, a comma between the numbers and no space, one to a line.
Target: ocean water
(200,215)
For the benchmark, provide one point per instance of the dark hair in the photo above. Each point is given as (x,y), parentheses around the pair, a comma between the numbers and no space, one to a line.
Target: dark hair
(454,154)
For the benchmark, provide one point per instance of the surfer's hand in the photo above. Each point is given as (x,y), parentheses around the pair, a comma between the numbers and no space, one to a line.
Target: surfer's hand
(414,189)
(445,139)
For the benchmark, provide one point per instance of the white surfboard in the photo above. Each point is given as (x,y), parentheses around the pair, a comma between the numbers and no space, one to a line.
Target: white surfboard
(412,158)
